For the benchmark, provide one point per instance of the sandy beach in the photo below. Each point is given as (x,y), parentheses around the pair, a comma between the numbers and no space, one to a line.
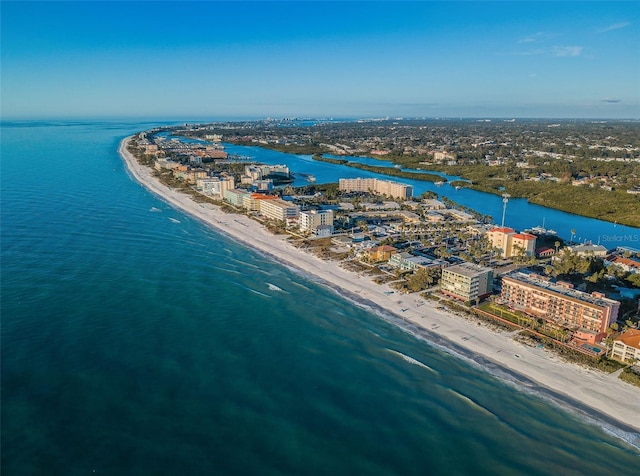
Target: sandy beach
(603,396)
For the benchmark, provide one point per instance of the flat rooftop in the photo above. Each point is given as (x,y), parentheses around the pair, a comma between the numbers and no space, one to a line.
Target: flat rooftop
(540,282)
(468,269)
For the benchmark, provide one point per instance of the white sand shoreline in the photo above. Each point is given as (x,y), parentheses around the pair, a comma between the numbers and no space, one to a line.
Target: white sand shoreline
(615,403)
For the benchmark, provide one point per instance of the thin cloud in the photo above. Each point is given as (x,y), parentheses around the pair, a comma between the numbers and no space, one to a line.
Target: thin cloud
(529,39)
(615,26)
(540,35)
(564,51)
(538,51)
(611,101)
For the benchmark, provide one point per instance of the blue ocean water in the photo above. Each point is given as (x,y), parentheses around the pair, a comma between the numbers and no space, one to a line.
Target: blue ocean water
(137,341)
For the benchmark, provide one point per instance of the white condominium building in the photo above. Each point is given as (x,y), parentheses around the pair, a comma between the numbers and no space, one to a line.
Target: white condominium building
(467,281)
(626,348)
(215,186)
(310,220)
(382,187)
(279,209)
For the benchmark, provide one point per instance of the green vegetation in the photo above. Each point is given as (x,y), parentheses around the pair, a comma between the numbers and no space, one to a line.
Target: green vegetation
(631,376)
(329,191)
(306,149)
(321,158)
(495,322)
(500,311)
(533,159)
(391,171)
(601,363)
(591,202)
(422,279)
(614,206)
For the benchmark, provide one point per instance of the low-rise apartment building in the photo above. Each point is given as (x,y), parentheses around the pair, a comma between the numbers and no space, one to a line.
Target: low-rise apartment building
(626,347)
(559,303)
(511,243)
(467,281)
(380,253)
(407,262)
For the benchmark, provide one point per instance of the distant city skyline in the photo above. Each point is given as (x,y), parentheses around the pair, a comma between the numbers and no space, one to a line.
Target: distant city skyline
(217,60)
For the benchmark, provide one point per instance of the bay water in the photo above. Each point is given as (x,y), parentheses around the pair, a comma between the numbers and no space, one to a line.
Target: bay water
(520,214)
(135,340)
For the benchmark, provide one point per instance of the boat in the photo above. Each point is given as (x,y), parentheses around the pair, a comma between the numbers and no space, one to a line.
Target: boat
(541,230)
(308,177)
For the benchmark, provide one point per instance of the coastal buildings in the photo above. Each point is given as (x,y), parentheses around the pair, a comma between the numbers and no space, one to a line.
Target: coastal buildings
(391,222)
(215,186)
(626,347)
(587,250)
(150,148)
(380,253)
(467,281)
(382,187)
(557,302)
(278,209)
(261,171)
(511,243)
(626,264)
(253,201)
(313,221)
(407,262)
(235,197)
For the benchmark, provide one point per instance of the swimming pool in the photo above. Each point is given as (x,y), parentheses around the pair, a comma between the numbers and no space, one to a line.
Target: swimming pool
(592,348)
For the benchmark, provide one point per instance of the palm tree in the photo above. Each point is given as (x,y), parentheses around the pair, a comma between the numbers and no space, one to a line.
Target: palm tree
(557,245)
(573,233)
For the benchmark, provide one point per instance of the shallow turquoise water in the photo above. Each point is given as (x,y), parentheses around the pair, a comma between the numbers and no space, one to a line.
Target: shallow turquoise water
(137,341)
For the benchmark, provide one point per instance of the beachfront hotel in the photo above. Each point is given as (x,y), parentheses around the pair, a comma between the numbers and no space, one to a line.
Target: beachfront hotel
(278,209)
(588,314)
(467,281)
(382,187)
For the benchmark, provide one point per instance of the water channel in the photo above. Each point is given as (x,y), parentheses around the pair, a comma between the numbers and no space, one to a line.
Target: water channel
(520,214)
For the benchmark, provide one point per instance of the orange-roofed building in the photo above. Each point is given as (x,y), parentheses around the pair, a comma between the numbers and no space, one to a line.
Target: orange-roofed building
(502,229)
(627,264)
(523,242)
(252,202)
(626,348)
(499,238)
(511,243)
(381,253)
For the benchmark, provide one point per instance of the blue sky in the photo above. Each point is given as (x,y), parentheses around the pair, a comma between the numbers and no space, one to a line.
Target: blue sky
(217,60)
